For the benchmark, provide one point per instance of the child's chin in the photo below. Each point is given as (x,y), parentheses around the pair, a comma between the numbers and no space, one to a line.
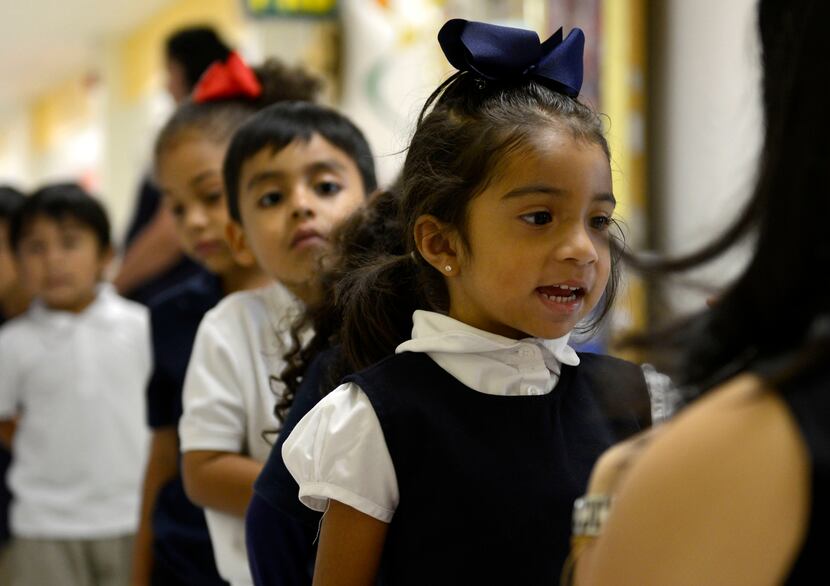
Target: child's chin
(550,331)
(62,302)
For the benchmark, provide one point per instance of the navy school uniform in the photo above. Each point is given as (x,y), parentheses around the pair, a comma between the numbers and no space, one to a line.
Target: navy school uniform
(182,549)
(280,531)
(808,400)
(517,530)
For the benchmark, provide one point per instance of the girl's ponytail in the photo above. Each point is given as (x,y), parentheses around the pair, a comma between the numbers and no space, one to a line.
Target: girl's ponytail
(377,301)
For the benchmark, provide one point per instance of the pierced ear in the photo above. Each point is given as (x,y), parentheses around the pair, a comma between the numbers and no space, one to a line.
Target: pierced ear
(240,251)
(438,244)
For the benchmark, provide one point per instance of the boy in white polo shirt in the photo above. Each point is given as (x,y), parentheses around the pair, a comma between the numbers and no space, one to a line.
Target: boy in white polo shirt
(74,368)
(293,172)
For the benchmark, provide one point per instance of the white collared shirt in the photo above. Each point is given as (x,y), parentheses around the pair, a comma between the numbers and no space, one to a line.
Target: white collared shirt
(229,398)
(78,382)
(338,451)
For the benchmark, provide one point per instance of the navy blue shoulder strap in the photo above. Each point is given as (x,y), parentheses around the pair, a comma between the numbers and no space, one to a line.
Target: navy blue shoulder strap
(621,390)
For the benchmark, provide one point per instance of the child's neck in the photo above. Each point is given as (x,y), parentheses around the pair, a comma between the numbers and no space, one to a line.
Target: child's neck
(242,278)
(307,292)
(77,306)
(15,302)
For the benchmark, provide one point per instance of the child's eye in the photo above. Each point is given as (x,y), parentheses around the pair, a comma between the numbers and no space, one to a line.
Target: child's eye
(34,247)
(601,222)
(327,188)
(270,199)
(178,211)
(539,218)
(213,197)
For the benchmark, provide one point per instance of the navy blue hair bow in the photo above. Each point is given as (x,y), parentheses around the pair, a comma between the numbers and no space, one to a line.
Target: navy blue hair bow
(501,53)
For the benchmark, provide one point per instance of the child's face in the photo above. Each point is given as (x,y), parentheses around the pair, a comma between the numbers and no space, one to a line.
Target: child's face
(61,261)
(290,201)
(189,175)
(8,271)
(537,231)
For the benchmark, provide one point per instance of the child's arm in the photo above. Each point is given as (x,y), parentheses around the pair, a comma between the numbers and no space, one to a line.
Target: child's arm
(155,250)
(217,473)
(9,389)
(223,481)
(162,466)
(7,427)
(351,544)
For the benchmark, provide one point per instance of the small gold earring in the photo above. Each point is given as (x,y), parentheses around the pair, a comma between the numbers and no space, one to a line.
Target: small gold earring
(448,268)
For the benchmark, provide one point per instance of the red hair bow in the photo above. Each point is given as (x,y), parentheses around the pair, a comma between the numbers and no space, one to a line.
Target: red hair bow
(231,79)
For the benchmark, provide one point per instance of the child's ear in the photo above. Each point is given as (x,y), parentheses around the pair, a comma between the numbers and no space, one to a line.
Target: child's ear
(235,236)
(438,244)
(105,256)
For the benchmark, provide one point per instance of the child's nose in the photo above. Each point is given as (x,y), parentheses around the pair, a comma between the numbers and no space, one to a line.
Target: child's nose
(577,246)
(303,204)
(55,256)
(195,218)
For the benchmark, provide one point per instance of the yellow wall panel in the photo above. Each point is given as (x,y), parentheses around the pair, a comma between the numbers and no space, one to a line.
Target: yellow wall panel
(623,81)
(56,112)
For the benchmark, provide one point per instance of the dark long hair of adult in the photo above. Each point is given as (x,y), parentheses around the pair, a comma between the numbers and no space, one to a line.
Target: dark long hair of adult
(776,304)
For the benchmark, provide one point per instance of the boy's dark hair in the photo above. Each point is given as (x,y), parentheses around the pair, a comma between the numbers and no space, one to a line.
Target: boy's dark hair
(218,120)
(59,202)
(10,200)
(457,147)
(277,126)
(195,48)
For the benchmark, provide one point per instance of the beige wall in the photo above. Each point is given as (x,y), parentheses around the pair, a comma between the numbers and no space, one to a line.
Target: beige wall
(706,125)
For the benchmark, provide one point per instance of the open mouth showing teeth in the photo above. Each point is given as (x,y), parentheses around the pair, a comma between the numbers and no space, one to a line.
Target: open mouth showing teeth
(561,293)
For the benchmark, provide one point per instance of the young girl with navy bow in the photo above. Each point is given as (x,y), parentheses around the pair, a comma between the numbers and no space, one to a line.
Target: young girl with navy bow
(455,455)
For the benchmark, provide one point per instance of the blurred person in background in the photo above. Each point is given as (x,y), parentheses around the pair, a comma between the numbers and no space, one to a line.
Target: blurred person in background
(74,367)
(153,259)
(13,298)
(733,490)
(13,301)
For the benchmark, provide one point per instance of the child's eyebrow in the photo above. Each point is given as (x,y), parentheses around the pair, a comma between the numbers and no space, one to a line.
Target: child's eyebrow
(535,188)
(329,165)
(263,177)
(203,175)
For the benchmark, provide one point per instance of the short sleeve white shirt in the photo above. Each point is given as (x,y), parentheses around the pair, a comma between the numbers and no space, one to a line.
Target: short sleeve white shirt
(77,382)
(229,396)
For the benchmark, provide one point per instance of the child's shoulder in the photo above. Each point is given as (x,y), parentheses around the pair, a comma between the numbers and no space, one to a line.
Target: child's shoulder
(620,387)
(263,305)
(120,308)
(18,326)
(195,295)
(240,303)
(603,364)
(609,372)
